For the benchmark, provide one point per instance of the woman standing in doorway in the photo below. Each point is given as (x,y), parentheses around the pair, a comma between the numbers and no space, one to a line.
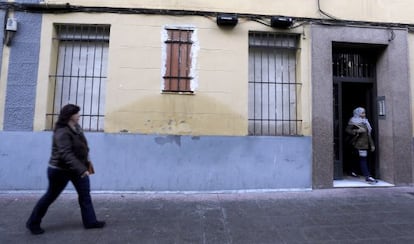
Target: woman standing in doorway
(360,130)
(69,161)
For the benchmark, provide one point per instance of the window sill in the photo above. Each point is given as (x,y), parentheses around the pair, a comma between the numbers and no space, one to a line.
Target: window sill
(178,93)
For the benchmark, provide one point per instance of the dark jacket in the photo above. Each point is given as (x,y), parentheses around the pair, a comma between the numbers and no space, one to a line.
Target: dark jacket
(359,137)
(70,150)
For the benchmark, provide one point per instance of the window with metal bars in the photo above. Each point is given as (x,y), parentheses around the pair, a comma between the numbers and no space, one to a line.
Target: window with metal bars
(81,72)
(273,88)
(178,47)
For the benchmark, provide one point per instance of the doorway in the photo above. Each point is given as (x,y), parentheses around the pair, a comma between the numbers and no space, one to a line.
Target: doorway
(353,86)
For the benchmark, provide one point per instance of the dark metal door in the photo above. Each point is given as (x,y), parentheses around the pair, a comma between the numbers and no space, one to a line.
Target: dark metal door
(353,86)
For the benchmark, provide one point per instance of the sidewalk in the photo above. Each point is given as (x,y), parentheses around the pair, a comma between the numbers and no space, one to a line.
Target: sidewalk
(344,215)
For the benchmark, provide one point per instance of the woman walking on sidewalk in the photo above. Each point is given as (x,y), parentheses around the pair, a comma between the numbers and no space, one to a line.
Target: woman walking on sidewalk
(360,130)
(69,161)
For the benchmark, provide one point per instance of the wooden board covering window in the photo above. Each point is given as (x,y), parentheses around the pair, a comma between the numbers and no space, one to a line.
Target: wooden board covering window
(177,75)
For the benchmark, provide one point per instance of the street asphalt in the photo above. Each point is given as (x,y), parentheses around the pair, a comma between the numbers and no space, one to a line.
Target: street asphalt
(340,215)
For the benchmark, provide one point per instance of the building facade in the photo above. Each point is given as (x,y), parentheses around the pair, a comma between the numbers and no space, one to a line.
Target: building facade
(207,96)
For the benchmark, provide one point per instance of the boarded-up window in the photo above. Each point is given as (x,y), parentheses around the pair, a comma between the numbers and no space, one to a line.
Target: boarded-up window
(177,76)
(273,88)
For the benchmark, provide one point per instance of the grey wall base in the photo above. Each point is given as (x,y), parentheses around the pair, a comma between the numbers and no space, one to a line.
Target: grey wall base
(130,162)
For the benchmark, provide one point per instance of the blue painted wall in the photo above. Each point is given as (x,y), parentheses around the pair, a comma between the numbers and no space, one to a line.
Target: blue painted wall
(22,76)
(2,16)
(130,162)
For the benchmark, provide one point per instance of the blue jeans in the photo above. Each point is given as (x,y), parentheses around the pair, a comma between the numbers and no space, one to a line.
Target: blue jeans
(58,179)
(363,161)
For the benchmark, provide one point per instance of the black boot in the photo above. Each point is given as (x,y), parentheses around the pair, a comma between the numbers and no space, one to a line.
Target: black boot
(35,229)
(97,224)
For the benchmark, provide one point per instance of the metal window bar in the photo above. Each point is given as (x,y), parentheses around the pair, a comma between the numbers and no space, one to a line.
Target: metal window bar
(177,77)
(350,65)
(80,74)
(273,89)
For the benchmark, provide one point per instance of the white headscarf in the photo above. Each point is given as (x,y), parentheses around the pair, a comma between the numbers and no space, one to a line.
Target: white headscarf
(358,120)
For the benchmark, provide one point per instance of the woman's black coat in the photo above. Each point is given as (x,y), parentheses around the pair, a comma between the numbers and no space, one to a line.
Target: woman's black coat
(70,150)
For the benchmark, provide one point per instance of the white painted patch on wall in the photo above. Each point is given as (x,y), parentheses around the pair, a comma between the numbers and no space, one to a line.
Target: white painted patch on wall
(194,53)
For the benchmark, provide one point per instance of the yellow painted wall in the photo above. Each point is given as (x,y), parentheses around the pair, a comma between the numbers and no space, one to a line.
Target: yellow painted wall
(219,107)
(3,82)
(396,11)
(134,101)
(5,56)
(366,10)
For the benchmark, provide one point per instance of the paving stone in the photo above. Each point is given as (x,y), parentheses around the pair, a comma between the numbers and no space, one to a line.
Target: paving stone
(345,215)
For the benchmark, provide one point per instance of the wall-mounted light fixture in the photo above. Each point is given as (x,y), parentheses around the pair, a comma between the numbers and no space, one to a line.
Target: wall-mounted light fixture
(281,22)
(227,20)
(10,30)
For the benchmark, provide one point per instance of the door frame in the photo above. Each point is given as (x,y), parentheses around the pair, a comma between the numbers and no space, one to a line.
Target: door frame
(369,85)
(395,142)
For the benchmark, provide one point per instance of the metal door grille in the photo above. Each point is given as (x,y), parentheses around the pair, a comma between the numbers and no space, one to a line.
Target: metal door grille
(352,64)
(80,74)
(273,89)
